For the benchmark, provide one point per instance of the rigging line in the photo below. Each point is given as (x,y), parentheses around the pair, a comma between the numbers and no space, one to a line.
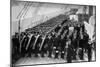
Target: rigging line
(21,11)
(28,7)
(24,10)
(19,17)
(22,15)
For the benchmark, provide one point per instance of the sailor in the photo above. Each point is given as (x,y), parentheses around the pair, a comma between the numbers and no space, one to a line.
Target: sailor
(50,45)
(63,44)
(15,47)
(70,52)
(74,43)
(30,49)
(57,46)
(37,45)
(24,44)
(44,46)
(88,46)
(57,28)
